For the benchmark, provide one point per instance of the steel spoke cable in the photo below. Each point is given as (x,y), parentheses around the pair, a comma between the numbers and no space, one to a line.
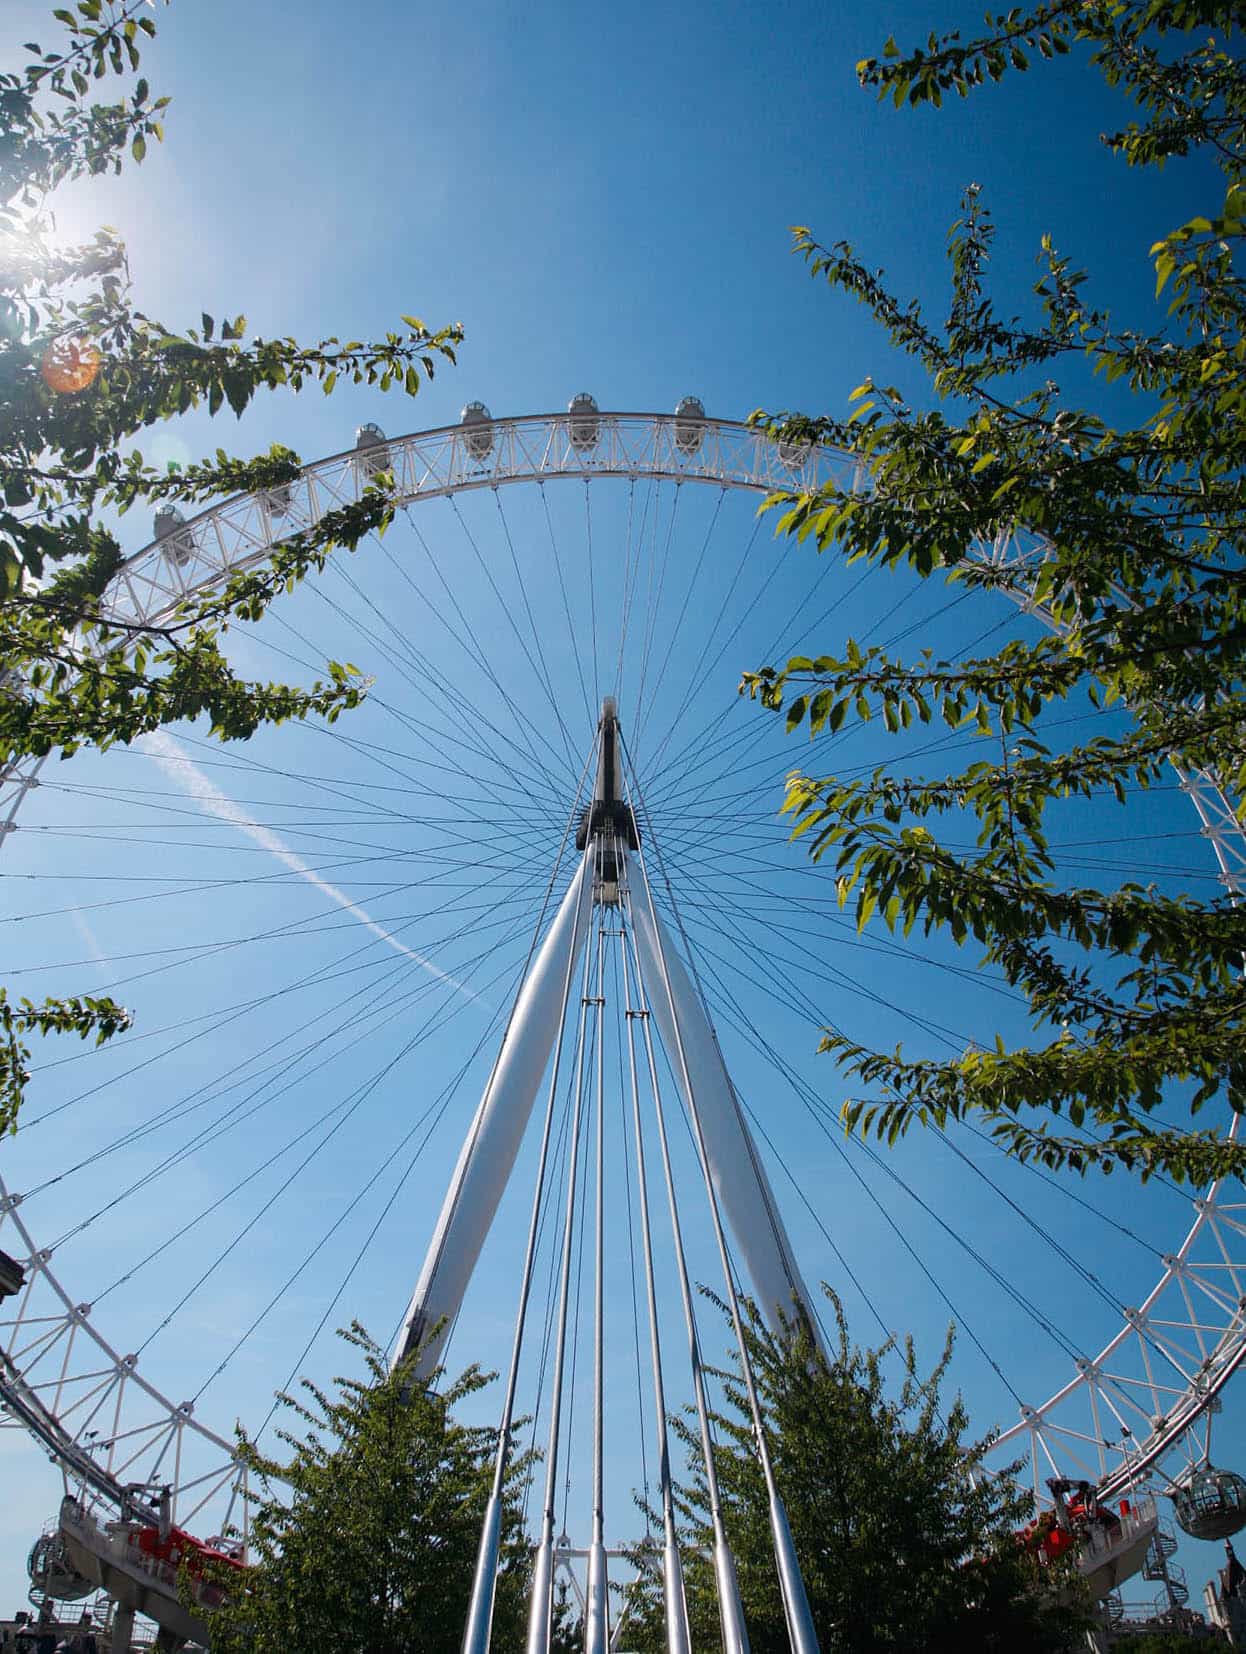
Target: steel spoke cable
(717,750)
(711,897)
(757,905)
(581,1235)
(293,839)
(1062,1186)
(695,742)
(290,878)
(434,688)
(808,1097)
(642,712)
(542,1585)
(355,1101)
(653,603)
(224,1017)
(704,668)
(539,669)
(1113,1302)
(251,1004)
(819,1108)
(884,1212)
(239,1113)
(472,647)
(185,798)
(590,712)
(437,1109)
(677,795)
(442,1103)
(380,1011)
(322,974)
(618,1001)
(676,1607)
(294,930)
(626,594)
(650,513)
(375,813)
(553,1205)
(781,1161)
(735,1639)
(951,1037)
(592,592)
(792,1589)
(411,666)
(761,980)
(330,784)
(482,657)
(522,585)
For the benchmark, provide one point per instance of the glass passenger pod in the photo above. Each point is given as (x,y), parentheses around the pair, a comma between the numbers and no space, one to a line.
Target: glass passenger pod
(477,423)
(793,454)
(1211,1504)
(371,451)
(174,538)
(12,1275)
(689,425)
(584,426)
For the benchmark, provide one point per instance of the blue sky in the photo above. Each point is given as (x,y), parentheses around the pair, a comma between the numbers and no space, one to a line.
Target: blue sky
(603,198)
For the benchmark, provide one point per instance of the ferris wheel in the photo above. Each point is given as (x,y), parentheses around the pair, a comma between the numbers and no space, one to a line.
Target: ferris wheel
(515,970)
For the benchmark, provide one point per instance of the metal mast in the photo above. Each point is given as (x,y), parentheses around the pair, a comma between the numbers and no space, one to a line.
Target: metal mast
(610,895)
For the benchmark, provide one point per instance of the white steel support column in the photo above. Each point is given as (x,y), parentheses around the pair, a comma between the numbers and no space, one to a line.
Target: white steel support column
(740,1180)
(489,1153)
(800,1628)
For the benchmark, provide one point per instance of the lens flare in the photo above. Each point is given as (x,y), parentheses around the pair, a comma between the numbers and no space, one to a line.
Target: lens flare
(70,365)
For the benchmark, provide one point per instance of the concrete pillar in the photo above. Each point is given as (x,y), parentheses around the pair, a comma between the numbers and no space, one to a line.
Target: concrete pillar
(122,1630)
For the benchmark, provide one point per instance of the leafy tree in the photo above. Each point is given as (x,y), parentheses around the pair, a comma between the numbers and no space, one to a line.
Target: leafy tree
(83,374)
(902,1541)
(1162,1642)
(1132,538)
(365,1539)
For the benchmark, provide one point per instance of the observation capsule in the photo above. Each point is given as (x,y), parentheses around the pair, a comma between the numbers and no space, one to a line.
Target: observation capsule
(477,422)
(793,454)
(584,426)
(689,424)
(371,450)
(175,538)
(1211,1504)
(12,1276)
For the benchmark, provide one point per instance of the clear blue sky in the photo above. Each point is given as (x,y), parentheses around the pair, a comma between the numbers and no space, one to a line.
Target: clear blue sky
(603,197)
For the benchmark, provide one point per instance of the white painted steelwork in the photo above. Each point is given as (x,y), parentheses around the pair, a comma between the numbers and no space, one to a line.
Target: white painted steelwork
(488,1154)
(1123,1411)
(740,1180)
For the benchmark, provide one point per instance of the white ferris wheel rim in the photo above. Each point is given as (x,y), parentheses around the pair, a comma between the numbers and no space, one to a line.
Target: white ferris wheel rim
(241,532)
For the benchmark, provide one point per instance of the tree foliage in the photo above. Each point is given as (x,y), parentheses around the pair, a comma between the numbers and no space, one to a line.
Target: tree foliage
(1128,540)
(364,1540)
(903,1542)
(1162,1642)
(83,374)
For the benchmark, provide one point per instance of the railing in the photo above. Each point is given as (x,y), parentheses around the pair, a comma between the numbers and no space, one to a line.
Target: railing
(1100,1540)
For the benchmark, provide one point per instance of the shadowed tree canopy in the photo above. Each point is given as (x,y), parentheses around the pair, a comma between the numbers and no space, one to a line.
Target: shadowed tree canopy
(903,1541)
(1129,542)
(83,375)
(364,1539)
